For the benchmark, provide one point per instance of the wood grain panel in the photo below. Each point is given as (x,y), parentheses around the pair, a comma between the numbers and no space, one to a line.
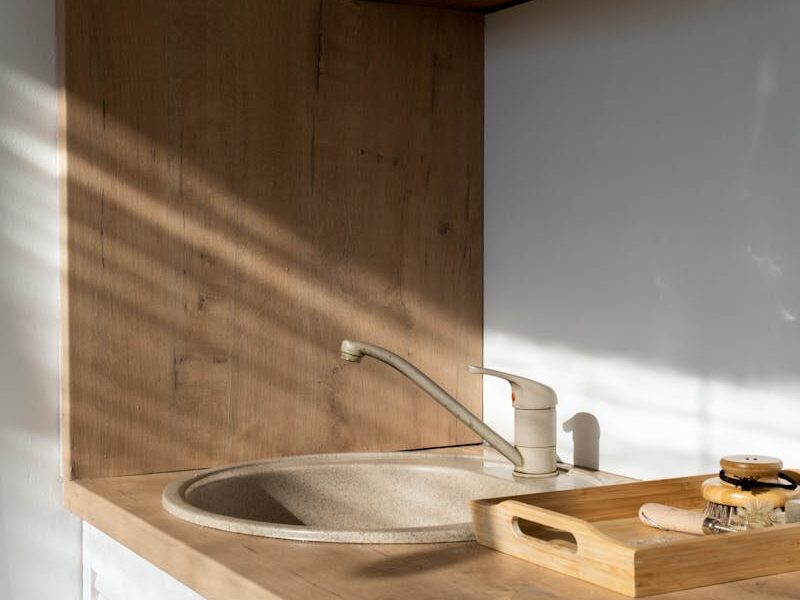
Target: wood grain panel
(246,184)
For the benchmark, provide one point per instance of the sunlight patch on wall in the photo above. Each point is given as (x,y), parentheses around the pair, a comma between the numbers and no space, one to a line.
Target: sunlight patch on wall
(658,421)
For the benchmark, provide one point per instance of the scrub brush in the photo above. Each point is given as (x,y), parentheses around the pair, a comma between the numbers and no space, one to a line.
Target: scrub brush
(748,491)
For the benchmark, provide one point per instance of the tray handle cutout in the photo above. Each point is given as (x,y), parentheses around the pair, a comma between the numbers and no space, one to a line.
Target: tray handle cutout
(548,531)
(553,538)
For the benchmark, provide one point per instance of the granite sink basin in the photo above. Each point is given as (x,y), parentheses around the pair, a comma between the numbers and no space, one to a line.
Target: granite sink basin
(375,498)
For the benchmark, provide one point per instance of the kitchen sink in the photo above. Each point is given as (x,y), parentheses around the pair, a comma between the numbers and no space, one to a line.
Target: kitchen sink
(375,498)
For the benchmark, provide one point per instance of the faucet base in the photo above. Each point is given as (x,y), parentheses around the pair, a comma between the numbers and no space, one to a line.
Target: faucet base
(535,475)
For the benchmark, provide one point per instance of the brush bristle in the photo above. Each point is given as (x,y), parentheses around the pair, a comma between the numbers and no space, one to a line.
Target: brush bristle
(721,512)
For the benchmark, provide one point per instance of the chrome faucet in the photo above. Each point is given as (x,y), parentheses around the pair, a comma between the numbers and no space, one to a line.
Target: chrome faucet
(534,404)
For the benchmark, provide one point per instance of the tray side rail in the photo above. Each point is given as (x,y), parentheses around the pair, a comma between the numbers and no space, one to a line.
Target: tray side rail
(556,541)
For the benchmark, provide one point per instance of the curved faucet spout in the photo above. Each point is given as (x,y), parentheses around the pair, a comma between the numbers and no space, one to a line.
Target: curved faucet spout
(355,351)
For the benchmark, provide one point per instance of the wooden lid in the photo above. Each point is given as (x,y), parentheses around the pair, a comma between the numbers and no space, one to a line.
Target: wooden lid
(751,466)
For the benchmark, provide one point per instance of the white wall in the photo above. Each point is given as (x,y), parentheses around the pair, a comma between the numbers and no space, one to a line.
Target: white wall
(39,540)
(643,224)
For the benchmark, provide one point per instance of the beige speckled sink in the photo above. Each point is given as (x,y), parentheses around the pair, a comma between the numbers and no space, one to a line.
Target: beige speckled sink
(403,497)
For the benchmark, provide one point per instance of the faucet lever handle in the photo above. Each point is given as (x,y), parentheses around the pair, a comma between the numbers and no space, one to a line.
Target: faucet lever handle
(526,394)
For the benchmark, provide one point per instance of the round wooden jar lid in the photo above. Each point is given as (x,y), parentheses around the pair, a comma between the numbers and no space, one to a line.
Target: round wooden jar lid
(751,466)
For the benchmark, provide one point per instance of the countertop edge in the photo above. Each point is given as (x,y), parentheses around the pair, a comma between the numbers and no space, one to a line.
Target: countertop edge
(159,548)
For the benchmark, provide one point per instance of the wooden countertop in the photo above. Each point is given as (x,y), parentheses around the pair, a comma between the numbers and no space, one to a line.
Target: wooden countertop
(229,566)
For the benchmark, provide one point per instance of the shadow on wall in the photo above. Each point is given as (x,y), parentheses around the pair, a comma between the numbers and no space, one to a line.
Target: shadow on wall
(585,430)
(641,222)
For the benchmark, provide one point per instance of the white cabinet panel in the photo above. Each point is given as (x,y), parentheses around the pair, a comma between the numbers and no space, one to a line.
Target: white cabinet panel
(112,572)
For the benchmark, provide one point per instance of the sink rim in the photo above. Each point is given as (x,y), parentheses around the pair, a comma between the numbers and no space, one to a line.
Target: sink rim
(173,498)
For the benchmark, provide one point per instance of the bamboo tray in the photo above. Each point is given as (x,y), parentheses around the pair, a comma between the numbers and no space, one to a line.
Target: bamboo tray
(594,534)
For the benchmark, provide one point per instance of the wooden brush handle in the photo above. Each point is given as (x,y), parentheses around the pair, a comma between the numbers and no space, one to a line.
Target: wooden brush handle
(662,516)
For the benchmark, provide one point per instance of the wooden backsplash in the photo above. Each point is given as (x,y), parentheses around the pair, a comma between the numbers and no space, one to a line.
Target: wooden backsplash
(247,183)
